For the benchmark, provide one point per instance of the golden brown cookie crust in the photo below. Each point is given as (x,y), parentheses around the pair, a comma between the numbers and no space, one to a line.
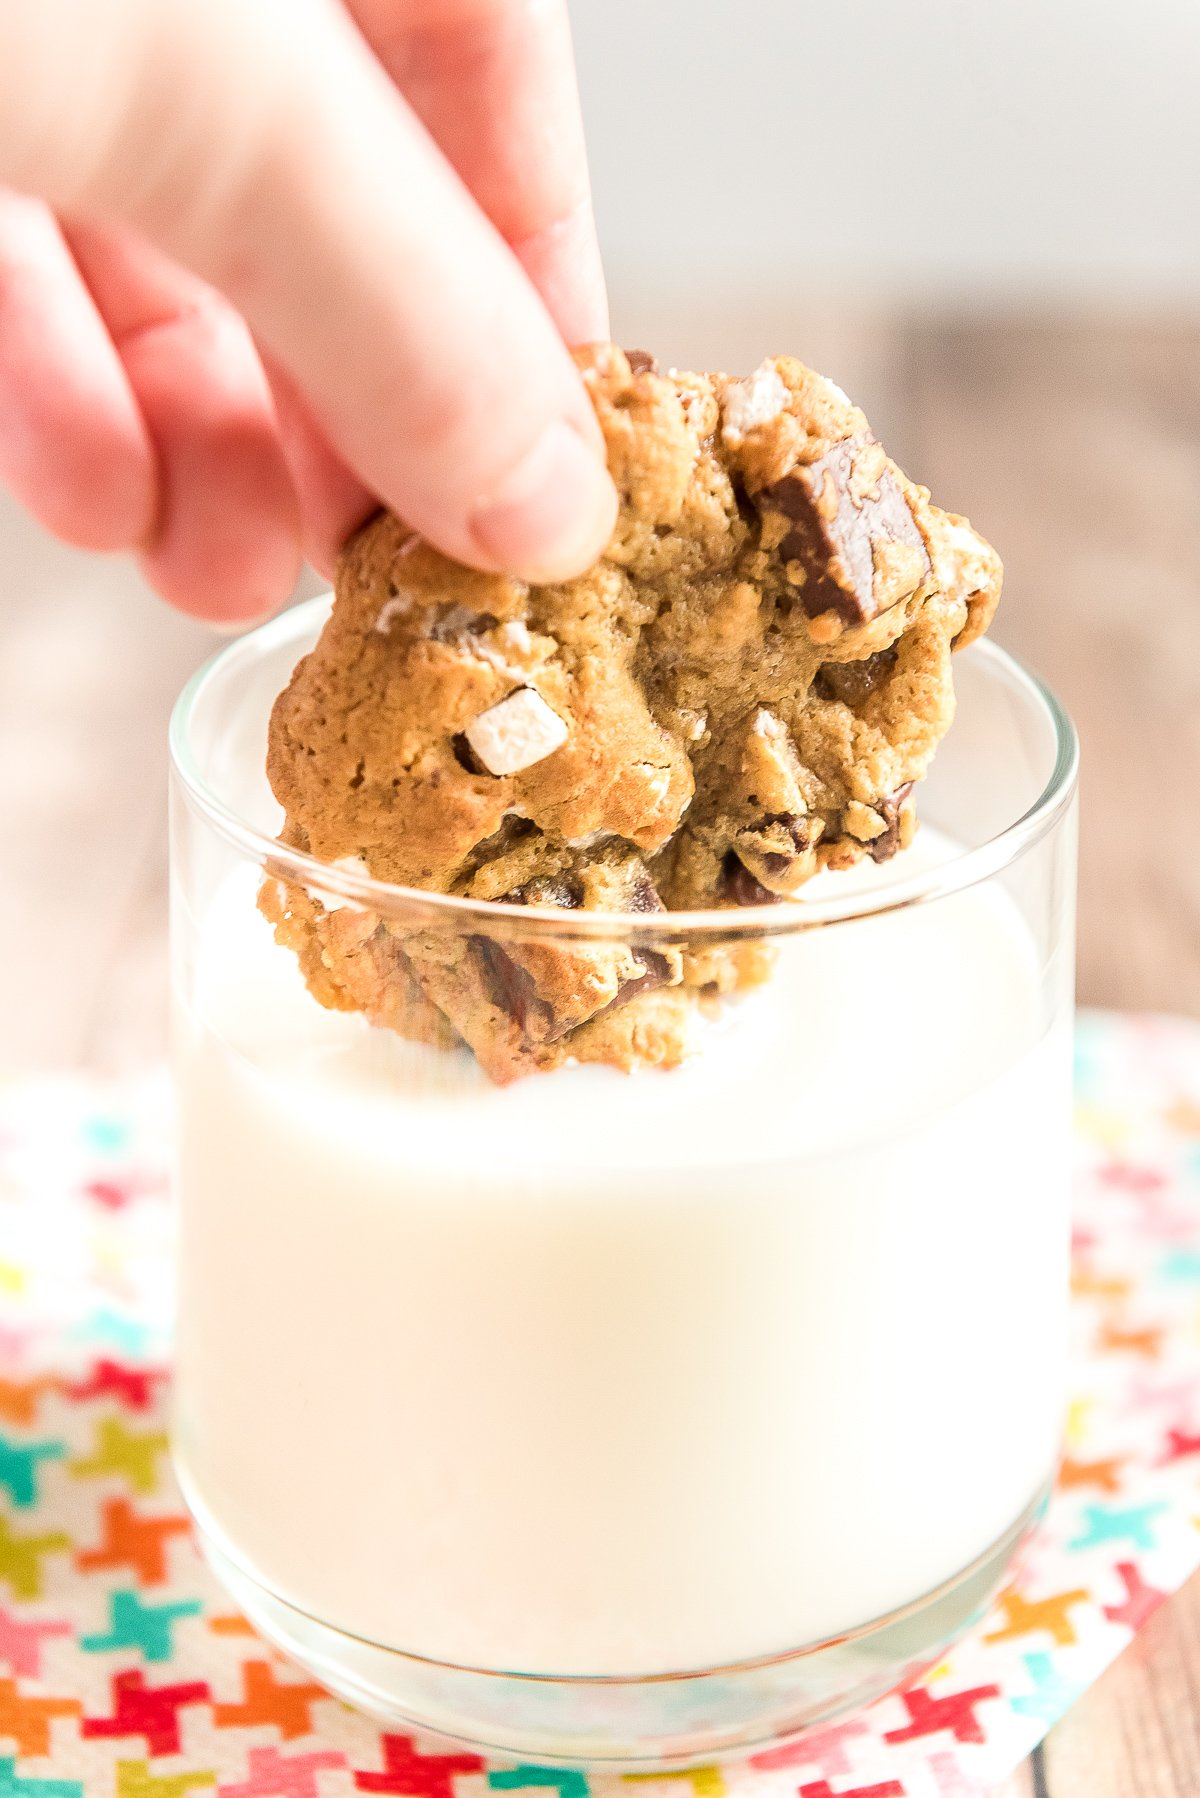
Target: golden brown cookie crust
(745,688)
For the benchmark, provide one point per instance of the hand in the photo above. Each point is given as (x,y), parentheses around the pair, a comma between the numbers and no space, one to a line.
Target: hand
(264,263)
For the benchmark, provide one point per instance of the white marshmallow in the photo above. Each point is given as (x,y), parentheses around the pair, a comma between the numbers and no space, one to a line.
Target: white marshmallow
(515,734)
(350,864)
(754,401)
(391,608)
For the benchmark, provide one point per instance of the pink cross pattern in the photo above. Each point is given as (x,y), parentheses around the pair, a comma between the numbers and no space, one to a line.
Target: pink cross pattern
(274,1775)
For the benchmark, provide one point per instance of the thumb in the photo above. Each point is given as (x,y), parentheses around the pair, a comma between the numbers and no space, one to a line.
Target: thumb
(260,143)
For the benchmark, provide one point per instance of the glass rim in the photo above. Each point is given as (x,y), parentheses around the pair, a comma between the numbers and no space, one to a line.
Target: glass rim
(730,923)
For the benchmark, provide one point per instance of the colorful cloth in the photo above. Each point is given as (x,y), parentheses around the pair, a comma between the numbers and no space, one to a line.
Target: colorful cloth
(125,1672)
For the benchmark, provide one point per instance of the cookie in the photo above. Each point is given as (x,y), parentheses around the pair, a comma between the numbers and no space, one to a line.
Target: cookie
(746,688)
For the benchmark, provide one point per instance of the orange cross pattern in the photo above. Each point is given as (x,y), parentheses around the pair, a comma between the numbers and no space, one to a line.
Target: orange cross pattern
(1184,1115)
(1104,1475)
(1026,1615)
(231,1624)
(1146,1342)
(133,1541)
(20,1399)
(26,1720)
(268,1701)
(1086,1284)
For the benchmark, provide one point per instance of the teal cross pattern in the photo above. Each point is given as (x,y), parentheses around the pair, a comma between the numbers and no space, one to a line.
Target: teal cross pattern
(1108,1523)
(138,1625)
(108,1134)
(1052,1695)
(1180,1263)
(11,1786)
(104,1324)
(19,1464)
(563,1780)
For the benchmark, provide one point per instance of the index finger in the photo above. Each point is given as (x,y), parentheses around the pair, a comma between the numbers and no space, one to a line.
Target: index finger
(494,83)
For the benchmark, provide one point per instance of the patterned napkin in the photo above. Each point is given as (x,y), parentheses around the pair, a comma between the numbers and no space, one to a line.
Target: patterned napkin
(125,1673)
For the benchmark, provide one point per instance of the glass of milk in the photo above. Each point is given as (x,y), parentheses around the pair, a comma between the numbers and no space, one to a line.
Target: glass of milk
(624,1420)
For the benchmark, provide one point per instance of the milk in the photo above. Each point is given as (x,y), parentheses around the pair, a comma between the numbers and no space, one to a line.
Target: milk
(627,1374)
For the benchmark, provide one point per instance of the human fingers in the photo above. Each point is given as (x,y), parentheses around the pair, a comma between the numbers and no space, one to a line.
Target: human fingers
(74,448)
(226,540)
(333,501)
(494,80)
(265,147)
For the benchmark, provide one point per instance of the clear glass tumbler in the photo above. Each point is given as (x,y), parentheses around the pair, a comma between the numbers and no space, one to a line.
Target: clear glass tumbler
(624,1420)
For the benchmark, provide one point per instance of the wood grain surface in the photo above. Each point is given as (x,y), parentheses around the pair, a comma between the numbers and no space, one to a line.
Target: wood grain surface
(1074,443)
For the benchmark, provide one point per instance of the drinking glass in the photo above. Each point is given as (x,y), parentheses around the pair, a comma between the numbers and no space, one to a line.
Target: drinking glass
(622,1420)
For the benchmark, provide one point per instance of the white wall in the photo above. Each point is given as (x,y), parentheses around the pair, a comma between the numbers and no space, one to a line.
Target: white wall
(995,149)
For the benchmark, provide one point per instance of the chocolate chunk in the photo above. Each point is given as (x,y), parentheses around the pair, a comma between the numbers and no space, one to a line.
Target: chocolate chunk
(643,894)
(740,886)
(642,362)
(451,621)
(835,531)
(852,683)
(514,990)
(564,890)
(510,987)
(882,848)
(658,972)
(777,852)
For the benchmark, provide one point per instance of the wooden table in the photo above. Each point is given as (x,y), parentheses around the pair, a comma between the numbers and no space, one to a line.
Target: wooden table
(1075,445)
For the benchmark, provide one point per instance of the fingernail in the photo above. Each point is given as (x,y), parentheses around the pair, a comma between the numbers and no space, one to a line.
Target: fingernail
(238,627)
(552,515)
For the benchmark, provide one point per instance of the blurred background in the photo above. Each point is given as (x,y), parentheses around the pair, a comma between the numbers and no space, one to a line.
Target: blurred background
(983,218)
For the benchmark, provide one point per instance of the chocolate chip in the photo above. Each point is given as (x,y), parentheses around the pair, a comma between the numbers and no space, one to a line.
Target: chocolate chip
(773,851)
(453,620)
(740,886)
(642,362)
(882,848)
(776,864)
(851,683)
(563,890)
(834,540)
(509,987)
(657,973)
(643,894)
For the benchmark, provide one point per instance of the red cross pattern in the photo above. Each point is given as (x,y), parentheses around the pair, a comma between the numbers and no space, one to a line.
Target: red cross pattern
(1140,1600)
(956,1712)
(413,1775)
(148,1711)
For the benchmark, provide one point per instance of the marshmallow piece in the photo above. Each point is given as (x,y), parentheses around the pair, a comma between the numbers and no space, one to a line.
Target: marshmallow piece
(350,864)
(390,610)
(516,733)
(965,563)
(754,401)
